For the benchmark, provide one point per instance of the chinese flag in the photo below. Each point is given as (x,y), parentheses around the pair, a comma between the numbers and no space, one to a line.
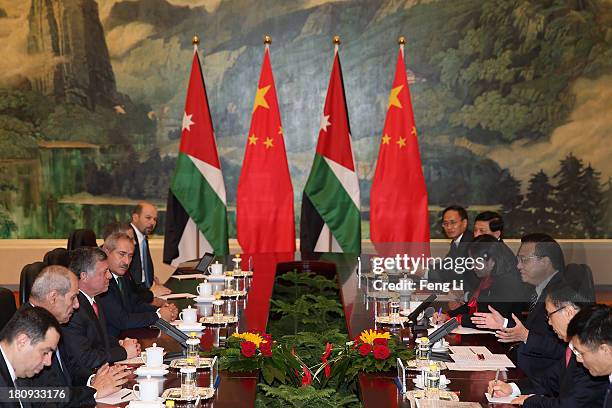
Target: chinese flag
(398,198)
(264,213)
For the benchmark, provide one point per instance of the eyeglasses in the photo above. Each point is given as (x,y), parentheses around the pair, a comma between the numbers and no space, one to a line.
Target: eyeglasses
(450,223)
(524,259)
(552,313)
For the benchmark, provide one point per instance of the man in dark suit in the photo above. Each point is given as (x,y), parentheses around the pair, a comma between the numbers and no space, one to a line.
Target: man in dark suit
(56,290)
(489,223)
(144,220)
(27,343)
(591,339)
(541,264)
(567,384)
(122,306)
(455,225)
(85,334)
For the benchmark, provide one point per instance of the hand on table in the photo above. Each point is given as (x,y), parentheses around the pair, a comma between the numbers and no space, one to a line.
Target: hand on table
(157,302)
(159,290)
(439,318)
(513,334)
(493,320)
(109,380)
(499,388)
(131,346)
(168,312)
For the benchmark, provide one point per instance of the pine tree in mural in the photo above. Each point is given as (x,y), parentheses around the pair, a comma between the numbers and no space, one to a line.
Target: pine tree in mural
(539,204)
(591,202)
(568,211)
(512,211)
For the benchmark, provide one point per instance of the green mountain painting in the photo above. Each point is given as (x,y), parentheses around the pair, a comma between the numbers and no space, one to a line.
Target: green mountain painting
(511,99)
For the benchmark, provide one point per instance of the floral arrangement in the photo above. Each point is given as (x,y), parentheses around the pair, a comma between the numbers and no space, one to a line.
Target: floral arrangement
(373,351)
(250,351)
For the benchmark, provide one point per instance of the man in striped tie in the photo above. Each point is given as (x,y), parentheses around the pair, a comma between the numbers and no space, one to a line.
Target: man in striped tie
(590,332)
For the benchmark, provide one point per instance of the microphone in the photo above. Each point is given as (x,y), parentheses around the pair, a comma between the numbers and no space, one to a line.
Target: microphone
(417,311)
(443,330)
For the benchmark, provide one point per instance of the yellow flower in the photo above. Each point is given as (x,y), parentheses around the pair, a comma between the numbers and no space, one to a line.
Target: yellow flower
(248,336)
(368,336)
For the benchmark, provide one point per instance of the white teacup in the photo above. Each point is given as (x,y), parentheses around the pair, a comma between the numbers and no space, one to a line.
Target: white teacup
(204,289)
(188,315)
(154,356)
(146,389)
(216,268)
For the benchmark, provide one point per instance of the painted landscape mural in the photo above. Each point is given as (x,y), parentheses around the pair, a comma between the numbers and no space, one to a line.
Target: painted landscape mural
(511,100)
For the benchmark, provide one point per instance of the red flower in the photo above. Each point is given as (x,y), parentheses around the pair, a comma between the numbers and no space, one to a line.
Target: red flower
(247,348)
(365,349)
(324,358)
(266,348)
(381,352)
(307,378)
(381,342)
(267,337)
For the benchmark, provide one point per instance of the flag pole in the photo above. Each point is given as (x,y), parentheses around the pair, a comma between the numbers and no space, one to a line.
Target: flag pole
(336,41)
(195,40)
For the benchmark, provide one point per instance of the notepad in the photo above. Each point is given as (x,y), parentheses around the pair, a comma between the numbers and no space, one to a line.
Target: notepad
(123,395)
(177,296)
(499,400)
(190,276)
(425,403)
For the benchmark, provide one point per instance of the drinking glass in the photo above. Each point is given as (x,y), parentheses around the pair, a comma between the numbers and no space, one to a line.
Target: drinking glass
(188,382)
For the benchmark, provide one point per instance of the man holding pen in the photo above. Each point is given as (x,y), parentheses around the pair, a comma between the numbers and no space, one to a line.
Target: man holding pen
(568,384)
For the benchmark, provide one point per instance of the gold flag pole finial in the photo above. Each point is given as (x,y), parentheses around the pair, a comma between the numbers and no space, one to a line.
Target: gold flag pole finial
(267,40)
(401,40)
(336,39)
(195,40)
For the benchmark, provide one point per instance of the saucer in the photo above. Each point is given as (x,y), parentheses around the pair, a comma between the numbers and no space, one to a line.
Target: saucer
(143,371)
(189,327)
(216,278)
(418,382)
(204,299)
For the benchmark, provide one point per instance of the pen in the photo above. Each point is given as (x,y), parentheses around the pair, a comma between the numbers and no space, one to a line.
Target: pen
(495,383)
(122,397)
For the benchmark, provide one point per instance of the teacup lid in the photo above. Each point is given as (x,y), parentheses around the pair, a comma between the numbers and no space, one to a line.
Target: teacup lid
(154,346)
(192,341)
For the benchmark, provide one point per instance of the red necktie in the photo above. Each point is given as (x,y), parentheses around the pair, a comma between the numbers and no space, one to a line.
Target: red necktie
(95,308)
(568,356)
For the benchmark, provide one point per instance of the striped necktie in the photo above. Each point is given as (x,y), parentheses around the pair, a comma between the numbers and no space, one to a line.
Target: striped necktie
(533,301)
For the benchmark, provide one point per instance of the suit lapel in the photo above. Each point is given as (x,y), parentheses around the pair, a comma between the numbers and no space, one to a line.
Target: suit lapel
(98,321)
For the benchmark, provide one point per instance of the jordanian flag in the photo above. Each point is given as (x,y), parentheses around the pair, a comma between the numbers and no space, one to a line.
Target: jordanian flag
(196,214)
(330,204)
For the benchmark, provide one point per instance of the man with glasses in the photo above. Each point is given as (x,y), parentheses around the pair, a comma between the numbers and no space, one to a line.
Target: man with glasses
(121,304)
(590,332)
(541,263)
(567,383)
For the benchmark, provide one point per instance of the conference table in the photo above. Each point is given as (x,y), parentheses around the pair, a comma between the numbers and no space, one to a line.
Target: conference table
(235,389)
(238,389)
(380,389)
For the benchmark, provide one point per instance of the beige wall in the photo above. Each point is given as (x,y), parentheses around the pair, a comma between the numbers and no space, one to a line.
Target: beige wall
(15,253)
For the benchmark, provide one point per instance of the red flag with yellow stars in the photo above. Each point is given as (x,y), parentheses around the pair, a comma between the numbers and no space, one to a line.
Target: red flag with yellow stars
(398,198)
(264,200)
